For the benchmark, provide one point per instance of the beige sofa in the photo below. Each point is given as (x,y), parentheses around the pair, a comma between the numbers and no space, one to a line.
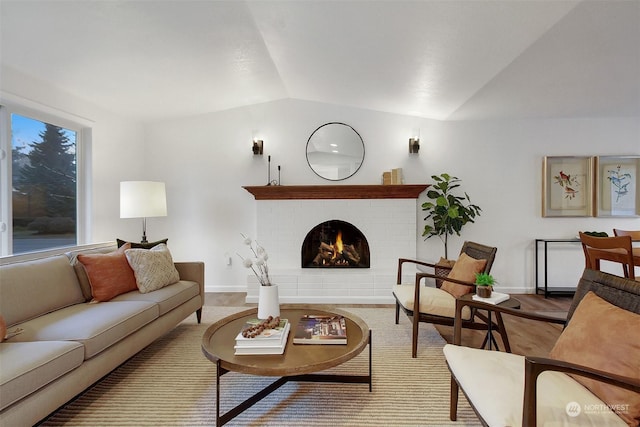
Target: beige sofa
(68,343)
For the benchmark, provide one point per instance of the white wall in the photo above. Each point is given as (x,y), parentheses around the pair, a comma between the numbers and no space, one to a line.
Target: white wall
(500,164)
(116,148)
(205,161)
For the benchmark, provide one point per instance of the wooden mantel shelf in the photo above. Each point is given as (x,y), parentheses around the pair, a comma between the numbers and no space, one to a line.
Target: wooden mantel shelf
(294,192)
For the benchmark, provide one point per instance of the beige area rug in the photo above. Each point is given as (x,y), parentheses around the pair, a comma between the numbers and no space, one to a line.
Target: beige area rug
(172,383)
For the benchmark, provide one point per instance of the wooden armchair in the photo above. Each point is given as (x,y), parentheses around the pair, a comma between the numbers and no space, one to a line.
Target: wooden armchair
(634,234)
(531,391)
(436,305)
(614,249)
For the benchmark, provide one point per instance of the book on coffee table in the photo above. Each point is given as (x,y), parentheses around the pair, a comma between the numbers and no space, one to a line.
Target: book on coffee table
(269,341)
(320,329)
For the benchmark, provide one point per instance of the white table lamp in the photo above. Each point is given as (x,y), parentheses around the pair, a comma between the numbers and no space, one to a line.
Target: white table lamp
(142,199)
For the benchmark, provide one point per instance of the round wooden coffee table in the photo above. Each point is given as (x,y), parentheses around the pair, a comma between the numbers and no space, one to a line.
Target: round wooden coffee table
(299,362)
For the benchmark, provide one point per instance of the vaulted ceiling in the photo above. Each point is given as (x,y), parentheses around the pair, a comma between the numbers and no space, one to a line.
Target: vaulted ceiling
(448,60)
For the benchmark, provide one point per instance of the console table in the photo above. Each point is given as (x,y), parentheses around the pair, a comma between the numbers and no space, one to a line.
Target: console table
(555,289)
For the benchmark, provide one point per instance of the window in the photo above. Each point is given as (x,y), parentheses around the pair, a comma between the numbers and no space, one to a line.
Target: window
(40,200)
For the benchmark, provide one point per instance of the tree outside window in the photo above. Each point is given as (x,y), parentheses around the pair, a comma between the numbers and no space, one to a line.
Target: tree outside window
(44,190)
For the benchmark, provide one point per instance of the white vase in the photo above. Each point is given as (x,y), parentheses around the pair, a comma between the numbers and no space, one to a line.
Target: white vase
(268,302)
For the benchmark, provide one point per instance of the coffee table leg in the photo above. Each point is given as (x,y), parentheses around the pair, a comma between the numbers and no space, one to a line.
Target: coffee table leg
(218,373)
(370,363)
(229,415)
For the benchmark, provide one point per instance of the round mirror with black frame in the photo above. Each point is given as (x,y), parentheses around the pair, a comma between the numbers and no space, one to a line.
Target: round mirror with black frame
(335,151)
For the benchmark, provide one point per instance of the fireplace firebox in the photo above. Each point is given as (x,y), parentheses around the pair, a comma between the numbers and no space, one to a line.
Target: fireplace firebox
(335,244)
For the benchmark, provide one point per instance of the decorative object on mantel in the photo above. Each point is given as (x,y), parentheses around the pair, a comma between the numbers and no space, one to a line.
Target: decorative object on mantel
(268,301)
(270,182)
(335,192)
(393,177)
(449,212)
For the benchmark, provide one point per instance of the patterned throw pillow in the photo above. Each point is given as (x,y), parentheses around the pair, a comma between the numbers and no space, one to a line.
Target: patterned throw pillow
(153,268)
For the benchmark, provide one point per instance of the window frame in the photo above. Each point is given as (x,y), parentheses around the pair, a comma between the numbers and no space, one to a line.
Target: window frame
(83,130)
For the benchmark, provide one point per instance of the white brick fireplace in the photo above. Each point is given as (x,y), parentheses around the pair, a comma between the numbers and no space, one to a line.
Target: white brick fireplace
(386,215)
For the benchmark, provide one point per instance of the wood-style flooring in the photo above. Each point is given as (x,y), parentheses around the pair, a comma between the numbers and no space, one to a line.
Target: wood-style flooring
(527,337)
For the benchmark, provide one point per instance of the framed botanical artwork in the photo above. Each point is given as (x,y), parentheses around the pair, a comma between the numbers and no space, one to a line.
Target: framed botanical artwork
(617,186)
(567,186)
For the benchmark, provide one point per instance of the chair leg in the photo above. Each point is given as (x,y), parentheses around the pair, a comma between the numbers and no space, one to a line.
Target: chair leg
(414,341)
(397,312)
(453,403)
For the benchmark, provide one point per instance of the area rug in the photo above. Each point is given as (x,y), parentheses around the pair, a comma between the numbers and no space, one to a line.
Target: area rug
(172,383)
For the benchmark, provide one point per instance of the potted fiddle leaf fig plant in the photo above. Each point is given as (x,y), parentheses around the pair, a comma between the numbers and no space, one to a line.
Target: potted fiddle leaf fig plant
(447,212)
(484,284)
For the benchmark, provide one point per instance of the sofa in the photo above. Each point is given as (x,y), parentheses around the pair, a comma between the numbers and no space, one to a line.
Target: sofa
(592,374)
(67,338)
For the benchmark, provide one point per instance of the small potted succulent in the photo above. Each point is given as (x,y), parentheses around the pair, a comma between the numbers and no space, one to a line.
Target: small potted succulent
(484,284)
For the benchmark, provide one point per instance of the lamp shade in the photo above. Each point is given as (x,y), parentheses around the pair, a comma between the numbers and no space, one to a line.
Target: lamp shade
(142,199)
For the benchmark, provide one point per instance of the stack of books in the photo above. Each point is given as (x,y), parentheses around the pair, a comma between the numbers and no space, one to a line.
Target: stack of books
(316,329)
(267,341)
(393,177)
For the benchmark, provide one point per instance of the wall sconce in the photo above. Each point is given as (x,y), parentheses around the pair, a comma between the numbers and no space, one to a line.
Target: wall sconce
(414,145)
(258,147)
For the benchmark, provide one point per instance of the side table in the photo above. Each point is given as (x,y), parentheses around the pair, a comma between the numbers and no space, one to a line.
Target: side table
(489,339)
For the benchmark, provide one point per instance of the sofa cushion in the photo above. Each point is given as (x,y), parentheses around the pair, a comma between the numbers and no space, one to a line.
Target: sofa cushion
(494,382)
(604,337)
(96,326)
(109,274)
(464,269)
(432,301)
(28,366)
(32,288)
(153,268)
(167,298)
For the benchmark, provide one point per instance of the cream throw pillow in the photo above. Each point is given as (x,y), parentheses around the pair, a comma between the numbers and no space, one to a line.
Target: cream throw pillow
(153,267)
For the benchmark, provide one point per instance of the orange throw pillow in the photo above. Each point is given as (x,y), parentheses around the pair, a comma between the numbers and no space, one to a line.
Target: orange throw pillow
(464,269)
(109,274)
(604,337)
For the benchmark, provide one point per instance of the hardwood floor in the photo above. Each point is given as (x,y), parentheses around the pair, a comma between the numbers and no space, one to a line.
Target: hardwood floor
(526,337)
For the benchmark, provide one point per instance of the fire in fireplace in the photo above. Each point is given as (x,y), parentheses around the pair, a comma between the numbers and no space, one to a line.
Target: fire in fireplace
(335,244)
